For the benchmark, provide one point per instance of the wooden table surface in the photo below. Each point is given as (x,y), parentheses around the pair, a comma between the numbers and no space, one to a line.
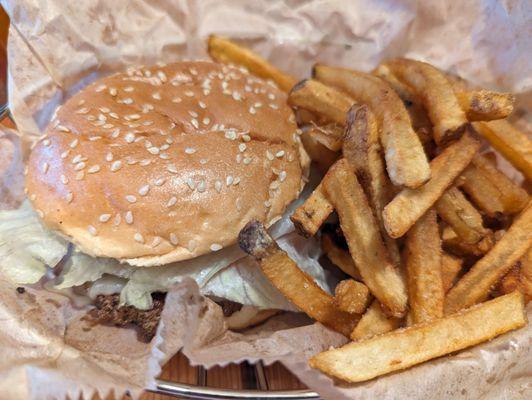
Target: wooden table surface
(178,368)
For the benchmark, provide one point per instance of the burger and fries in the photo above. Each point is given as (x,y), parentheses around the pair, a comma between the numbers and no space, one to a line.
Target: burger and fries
(438,239)
(431,238)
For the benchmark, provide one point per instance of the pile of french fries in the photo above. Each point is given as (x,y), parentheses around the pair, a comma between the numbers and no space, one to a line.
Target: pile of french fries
(438,238)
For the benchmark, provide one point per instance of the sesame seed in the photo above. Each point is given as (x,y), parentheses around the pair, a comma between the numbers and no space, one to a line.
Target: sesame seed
(116,166)
(93,169)
(247,88)
(45,167)
(203,161)
(99,123)
(169,140)
(290,157)
(80,175)
(247,161)
(216,247)
(154,150)
(83,110)
(90,117)
(46,142)
(268,203)
(282,176)
(128,217)
(131,198)
(133,117)
(238,158)
(64,179)
(218,186)
(236,181)
(202,104)
(138,237)
(171,202)
(117,220)
(239,204)
(143,191)
(280,154)
(192,244)
(191,183)
(128,89)
(172,168)
(201,186)
(164,156)
(63,128)
(114,115)
(193,114)
(145,162)
(159,182)
(105,126)
(229,180)
(190,150)
(156,241)
(246,138)
(164,147)
(189,93)
(74,143)
(252,110)
(242,147)
(271,96)
(92,230)
(81,102)
(269,155)
(237,96)
(162,76)
(104,217)
(257,105)
(176,100)
(156,96)
(64,154)
(173,238)
(79,166)
(274,106)
(130,137)
(109,157)
(115,133)
(69,197)
(40,213)
(131,161)
(101,88)
(195,123)
(127,100)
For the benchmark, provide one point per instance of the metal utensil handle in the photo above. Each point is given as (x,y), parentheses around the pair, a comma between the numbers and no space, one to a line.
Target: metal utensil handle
(205,393)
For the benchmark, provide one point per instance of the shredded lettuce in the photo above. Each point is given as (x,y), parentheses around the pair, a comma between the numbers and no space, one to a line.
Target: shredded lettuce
(27,248)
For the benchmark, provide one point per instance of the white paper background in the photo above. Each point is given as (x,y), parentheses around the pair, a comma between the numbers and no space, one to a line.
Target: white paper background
(56,47)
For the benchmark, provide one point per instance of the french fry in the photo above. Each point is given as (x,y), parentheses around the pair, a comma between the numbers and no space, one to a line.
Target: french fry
(339,257)
(475,285)
(410,204)
(519,277)
(292,282)
(330,136)
(309,216)
(451,267)
(418,115)
(352,296)
(437,94)
(461,215)
(513,144)
(317,152)
(423,266)
(485,105)
(403,348)
(362,149)
(320,99)
(454,244)
(374,322)
(363,238)
(226,51)
(406,161)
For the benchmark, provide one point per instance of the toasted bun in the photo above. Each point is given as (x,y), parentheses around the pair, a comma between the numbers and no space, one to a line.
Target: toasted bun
(163,164)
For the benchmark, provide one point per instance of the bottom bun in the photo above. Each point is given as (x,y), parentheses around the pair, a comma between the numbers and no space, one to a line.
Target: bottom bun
(247,317)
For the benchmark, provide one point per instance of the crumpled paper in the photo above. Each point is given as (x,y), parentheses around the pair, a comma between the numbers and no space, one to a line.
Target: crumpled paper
(55,48)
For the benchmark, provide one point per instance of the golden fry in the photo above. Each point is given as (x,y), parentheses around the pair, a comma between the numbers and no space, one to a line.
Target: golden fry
(352,296)
(475,285)
(320,99)
(329,136)
(513,144)
(451,267)
(309,216)
(362,148)
(485,105)
(519,277)
(409,205)
(339,257)
(423,266)
(374,322)
(363,238)
(317,152)
(461,215)
(292,282)
(403,348)
(454,244)
(226,51)
(406,161)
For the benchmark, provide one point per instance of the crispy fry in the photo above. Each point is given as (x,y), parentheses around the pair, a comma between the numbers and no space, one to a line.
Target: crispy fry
(292,282)
(339,257)
(226,51)
(403,348)
(513,144)
(374,322)
(320,99)
(437,94)
(309,216)
(363,238)
(406,161)
(519,277)
(475,285)
(363,150)
(409,205)
(418,115)
(330,136)
(451,267)
(485,105)
(461,215)
(454,244)
(317,152)
(352,296)
(423,266)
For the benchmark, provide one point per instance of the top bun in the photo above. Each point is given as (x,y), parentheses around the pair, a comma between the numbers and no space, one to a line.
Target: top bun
(167,163)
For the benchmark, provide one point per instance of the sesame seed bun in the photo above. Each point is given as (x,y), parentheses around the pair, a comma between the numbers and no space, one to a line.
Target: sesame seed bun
(162,164)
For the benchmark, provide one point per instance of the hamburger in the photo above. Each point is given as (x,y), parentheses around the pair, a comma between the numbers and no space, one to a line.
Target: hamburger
(147,176)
